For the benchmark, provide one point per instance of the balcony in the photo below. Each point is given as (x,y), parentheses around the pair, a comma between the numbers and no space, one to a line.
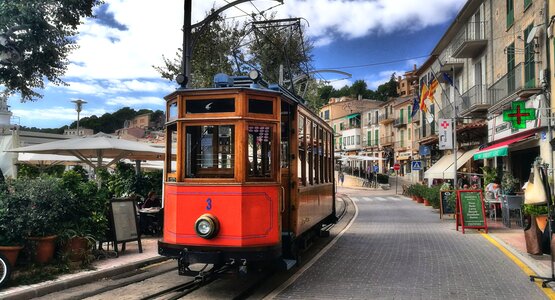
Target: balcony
(471,41)
(385,118)
(474,102)
(511,86)
(448,63)
(400,122)
(386,141)
(401,146)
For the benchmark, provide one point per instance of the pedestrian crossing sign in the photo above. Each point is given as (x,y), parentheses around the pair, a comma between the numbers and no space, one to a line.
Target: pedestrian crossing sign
(416,165)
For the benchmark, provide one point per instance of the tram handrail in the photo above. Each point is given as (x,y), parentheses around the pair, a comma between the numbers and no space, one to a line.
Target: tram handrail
(282,199)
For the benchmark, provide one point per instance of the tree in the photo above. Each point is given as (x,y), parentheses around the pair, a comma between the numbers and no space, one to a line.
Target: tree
(234,49)
(213,50)
(388,89)
(38,35)
(359,87)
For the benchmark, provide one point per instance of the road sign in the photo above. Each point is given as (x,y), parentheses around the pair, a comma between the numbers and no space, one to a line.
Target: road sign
(396,167)
(416,165)
(376,169)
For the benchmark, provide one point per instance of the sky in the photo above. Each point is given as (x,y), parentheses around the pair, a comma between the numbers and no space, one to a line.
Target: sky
(113,66)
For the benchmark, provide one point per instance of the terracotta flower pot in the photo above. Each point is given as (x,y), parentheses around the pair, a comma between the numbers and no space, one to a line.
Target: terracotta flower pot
(420,200)
(426,202)
(414,198)
(44,248)
(541,221)
(76,248)
(11,253)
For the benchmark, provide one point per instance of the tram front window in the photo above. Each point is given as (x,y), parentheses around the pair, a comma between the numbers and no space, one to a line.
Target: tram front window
(210,151)
(260,151)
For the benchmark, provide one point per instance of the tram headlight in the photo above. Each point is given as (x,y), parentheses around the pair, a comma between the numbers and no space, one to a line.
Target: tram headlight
(207,226)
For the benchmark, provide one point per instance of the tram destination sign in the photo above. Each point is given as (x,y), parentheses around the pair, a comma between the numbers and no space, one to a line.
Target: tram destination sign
(470,210)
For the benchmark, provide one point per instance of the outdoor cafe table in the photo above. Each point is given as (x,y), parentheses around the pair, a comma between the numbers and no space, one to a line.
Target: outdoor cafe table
(150,220)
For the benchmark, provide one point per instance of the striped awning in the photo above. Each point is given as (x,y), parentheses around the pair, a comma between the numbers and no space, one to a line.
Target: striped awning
(499,149)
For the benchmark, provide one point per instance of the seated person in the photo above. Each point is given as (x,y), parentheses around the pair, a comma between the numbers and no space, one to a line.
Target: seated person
(493,190)
(151,201)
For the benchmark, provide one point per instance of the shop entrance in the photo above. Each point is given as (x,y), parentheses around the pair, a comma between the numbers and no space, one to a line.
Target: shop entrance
(521,162)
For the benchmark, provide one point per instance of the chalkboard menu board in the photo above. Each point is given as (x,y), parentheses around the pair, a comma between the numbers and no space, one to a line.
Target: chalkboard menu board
(470,210)
(446,207)
(123,221)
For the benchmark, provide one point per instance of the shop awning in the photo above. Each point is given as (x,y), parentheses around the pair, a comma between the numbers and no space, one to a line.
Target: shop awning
(463,159)
(438,169)
(499,149)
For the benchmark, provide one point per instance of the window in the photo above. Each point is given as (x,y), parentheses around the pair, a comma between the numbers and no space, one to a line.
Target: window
(510,13)
(408,135)
(171,157)
(402,140)
(511,84)
(409,112)
(209,106)
(326,115)
(261,106)
(357,142)
(172,111)
(529,64)
(209,151)
(401,115)
(369,138)
(376,137)
(301,166)
(309,154)
(527,3)
(260,151)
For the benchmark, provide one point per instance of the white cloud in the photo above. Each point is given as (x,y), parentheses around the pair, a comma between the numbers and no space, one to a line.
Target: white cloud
(375,80)
(154,29)
(339,83)
(114,86)
(134,101)
(358,18)
(55,113)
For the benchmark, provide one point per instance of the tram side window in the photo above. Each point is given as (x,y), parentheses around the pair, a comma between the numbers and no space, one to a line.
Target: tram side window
(171,155)
(301,165)
(210,151)
(309,156)
(260,151)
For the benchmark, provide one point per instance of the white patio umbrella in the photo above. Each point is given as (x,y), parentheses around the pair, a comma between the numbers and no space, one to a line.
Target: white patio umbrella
(92,150)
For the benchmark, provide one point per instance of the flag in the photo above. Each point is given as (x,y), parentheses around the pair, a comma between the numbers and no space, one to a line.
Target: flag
(415,105)
(423,97)
(433,86)
(448,79)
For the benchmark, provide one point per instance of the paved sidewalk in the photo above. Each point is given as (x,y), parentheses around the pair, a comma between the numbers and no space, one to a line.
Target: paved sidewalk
(398,249)
(127,261)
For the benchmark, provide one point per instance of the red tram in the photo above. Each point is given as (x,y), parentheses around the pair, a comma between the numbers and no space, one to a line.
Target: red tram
(249,174)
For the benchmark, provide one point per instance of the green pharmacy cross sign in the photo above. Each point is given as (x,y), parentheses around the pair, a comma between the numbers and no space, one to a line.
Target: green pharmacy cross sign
(519,114)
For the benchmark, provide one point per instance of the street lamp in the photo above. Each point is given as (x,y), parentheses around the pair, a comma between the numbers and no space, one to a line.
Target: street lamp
(78,106)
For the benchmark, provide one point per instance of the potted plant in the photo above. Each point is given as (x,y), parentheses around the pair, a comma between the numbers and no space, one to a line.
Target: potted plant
(536,218)
(45,212)
(426,195)
(11,226)
(509,184)
(421,190)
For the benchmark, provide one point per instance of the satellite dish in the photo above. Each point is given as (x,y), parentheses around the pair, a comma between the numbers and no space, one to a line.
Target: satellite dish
(531,35)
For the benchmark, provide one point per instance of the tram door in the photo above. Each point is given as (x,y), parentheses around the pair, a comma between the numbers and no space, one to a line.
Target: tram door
(287,115)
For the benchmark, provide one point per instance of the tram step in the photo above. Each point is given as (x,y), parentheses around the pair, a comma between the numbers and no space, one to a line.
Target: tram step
(288,263)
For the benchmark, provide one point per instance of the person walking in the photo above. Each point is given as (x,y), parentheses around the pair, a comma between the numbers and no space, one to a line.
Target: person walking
(341,178)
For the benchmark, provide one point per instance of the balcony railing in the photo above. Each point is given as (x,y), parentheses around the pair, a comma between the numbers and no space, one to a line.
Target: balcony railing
(400,122)
(385,118)
(448,62)
(474,101)
(470,41)
(386,140)
(510,86)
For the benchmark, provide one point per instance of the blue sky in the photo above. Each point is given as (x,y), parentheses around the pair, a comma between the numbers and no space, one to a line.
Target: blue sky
(113,66)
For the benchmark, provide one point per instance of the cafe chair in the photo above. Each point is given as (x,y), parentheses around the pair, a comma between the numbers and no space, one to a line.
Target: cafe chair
(512,209)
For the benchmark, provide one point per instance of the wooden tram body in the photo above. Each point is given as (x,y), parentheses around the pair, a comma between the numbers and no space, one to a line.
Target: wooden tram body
(249,175)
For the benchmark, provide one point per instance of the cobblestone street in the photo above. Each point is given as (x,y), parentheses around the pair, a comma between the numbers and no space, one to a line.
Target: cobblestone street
(397,249)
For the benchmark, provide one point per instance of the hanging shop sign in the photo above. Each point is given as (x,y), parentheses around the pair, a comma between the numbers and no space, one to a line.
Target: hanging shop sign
(424,150)
(519,114)
(445,134)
